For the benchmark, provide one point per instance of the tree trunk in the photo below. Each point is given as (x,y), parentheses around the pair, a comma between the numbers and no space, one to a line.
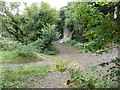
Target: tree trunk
(67,35)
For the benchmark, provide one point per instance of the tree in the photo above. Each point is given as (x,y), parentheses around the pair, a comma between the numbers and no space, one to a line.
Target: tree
(27,27)
(104,33)
(38,16)
(73,21)
(11,20)
(99,28)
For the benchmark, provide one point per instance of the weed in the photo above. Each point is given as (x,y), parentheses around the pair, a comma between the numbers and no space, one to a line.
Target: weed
(21,76)
(15,57)
(93,78)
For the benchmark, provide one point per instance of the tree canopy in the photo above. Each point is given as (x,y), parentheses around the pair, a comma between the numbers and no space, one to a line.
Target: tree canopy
(95,21)
(27,27)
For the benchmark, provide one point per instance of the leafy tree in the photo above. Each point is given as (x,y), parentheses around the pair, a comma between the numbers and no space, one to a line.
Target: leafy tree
(72,21)
(38,16)
(104,31)
(11,21)
(27,27)
(99,28)
(49,34)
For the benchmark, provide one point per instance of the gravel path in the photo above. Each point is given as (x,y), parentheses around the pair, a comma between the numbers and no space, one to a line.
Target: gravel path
(66,53)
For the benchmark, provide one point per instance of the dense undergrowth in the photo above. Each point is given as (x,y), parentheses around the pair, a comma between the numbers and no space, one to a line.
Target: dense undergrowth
(85,47)
(38,27)
(14,52)
(14,57)
(80,79)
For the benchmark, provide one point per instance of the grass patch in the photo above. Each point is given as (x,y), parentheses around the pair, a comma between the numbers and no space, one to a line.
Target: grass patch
(21,76)
(13,57)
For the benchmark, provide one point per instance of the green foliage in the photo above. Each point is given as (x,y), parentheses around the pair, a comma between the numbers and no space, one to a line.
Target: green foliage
(39,16)
(7,45)
(21,76)
(79,45)
(92,78)
(39,47)
(113,71)
(60,65)
(44,44)
(73,21)
(72,42)
(51,51)
(27,27)
(26,50)
(88,20)
(7,57)
(49,35)
(14,52)
(36,25)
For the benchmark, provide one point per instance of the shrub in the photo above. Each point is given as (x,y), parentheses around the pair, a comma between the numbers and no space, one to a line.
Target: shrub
(6,45)
(14,57)
(49,35)
(60,65)
(39,47)
(53,51)
(26,51)
(14,52)
(22,50)
(92,78)
(72,42)
(45,43)
(113,71)
(89,47)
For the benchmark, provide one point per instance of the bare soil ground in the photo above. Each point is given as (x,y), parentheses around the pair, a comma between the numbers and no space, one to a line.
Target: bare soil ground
(70,54)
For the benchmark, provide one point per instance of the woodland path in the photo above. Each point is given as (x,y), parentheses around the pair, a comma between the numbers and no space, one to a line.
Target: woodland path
(70,54)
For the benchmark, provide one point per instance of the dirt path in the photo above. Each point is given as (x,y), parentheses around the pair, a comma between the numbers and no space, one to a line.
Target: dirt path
(67,53)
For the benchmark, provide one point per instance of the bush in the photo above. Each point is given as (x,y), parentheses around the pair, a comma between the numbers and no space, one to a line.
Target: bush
(22,50)
(72,42)
(89,47)
(93,78)
(113,71)
(26,51)
(39,47)
(14,52)
(6,45)
(49,35)
(14,57)
(53,51)
(45,43)
(90,79)
(77,44)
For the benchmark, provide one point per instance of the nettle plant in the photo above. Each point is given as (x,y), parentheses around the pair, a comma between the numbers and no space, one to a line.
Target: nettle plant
(82,79)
